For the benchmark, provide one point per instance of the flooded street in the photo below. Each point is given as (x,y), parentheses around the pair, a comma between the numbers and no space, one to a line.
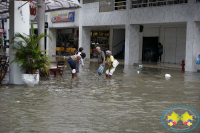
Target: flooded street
(130,102)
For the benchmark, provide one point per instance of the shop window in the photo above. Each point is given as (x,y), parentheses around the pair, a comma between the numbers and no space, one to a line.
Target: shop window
(151,3)
(66,42)
(101,39)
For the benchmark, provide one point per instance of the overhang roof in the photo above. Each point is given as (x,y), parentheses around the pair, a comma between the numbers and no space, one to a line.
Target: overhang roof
(50,6)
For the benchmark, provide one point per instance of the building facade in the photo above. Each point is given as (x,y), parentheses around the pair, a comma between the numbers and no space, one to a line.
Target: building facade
(173,23)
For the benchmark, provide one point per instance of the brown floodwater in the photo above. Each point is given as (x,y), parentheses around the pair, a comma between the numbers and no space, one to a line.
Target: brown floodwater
(129,102)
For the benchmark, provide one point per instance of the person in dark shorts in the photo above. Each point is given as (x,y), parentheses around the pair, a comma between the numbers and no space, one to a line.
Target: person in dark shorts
(74,63)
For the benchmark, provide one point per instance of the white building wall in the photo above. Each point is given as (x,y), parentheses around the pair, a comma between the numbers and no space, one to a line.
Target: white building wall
(151,31)
(92,17)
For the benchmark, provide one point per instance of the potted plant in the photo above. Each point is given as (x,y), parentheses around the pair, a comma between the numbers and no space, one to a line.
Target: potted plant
(29,56)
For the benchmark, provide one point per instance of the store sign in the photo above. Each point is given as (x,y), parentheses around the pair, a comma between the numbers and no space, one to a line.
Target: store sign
(33,11)
(63,17)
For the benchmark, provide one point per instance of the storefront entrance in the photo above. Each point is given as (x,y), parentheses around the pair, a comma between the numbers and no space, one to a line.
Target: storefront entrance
(150,49)
(66,42)
(99,38)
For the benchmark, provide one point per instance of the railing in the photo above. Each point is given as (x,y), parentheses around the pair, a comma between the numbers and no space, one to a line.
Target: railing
(120,5)
(150,3)
(119,43)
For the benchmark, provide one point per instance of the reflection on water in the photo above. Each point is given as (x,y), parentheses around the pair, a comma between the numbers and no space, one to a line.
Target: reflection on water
(130,102)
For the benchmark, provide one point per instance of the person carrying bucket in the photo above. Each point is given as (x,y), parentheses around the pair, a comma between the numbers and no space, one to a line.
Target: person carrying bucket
(112,64)
(101,56)
(101,60)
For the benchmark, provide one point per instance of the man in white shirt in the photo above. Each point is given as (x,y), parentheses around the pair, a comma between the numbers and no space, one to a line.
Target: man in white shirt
(79,53)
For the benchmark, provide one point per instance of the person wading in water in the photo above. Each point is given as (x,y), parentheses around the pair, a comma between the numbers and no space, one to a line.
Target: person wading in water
(101,56)
(74,62)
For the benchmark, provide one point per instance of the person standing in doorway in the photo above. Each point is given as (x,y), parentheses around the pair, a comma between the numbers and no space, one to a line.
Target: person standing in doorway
(160,52)
(101,56)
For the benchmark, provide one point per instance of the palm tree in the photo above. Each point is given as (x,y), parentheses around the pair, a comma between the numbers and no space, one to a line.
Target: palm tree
(27,53)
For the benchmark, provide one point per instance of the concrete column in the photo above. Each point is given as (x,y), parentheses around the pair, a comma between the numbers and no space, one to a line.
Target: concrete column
(128,4)
(162,40)
(132,44)
(111,40)
(19,22)
(41,20)
(192,46)
(51,45)
(141,45)
(84,39)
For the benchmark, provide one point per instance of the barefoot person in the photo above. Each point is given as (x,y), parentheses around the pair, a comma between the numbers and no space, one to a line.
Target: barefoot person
(74,63)
(110,60)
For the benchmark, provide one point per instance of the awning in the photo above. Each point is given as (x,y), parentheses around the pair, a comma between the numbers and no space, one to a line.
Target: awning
(50,6)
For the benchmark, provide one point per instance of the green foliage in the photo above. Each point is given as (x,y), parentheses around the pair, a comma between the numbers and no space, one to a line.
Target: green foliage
(27,53)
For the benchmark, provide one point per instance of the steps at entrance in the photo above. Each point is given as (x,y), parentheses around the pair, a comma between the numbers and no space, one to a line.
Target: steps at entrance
(120,55)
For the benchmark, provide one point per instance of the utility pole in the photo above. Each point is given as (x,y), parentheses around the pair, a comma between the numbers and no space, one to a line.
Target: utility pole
(41,20)
(3,35)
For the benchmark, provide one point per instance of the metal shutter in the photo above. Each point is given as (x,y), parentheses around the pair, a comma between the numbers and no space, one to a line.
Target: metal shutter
(170,45)
(181,44)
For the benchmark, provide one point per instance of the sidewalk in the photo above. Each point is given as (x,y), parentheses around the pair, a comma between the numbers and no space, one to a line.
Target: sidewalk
(160,66)
(146,64)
